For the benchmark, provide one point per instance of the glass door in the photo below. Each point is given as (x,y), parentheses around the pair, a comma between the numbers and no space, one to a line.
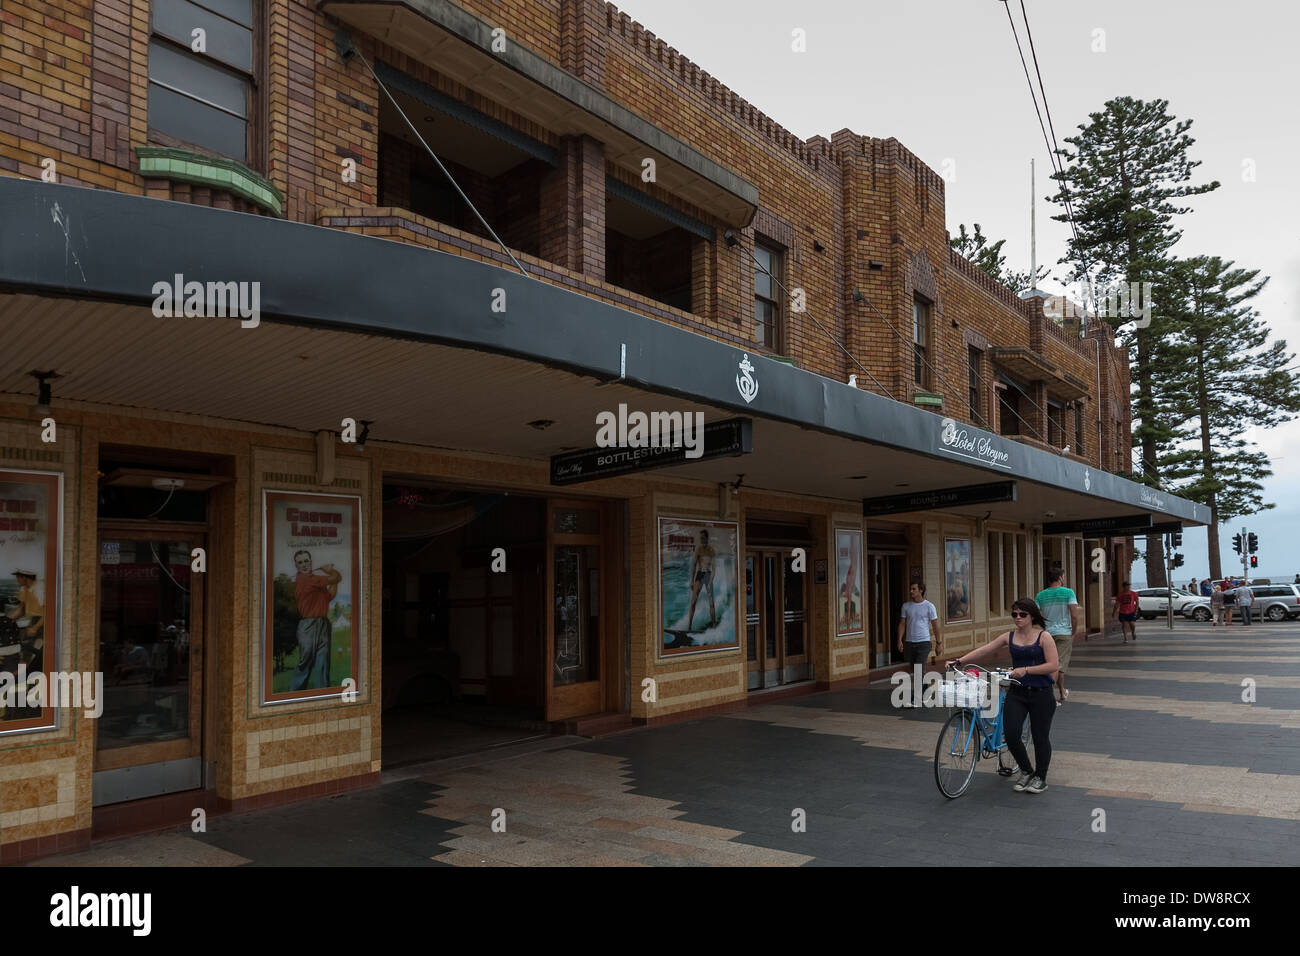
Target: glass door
(148,738)
(776,644)
(574,626)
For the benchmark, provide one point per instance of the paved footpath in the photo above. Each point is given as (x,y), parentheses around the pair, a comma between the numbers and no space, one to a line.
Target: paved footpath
(1155,735)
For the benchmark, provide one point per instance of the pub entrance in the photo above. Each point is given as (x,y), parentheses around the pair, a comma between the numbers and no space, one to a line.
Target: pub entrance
(888,580)
(499,615)
(777,646)
(156,726)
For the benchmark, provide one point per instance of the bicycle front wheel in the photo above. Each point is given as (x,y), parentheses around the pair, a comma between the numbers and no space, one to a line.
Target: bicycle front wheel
(956,753)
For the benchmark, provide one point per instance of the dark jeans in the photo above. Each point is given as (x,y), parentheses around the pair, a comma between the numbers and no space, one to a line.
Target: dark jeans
(1039,705)
(1245,613)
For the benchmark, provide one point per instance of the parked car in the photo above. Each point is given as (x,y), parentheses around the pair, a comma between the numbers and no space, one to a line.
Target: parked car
(1152,602)
(1276,602)
(1198,610)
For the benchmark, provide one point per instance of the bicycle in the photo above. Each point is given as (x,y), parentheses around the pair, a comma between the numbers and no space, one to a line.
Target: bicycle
(967,735)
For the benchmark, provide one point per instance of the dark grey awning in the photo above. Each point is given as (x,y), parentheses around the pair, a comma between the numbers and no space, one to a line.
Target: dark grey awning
(100,244)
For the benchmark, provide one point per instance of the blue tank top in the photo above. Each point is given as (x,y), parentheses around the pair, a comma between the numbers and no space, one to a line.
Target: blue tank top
(1029,655)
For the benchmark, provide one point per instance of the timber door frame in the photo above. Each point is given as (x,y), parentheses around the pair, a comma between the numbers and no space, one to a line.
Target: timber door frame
(200,716)
(600,695)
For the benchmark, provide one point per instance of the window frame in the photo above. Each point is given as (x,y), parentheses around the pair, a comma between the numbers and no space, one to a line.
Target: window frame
(254,157)
(922,323)
(975,361)
(1055,425)
(776,257)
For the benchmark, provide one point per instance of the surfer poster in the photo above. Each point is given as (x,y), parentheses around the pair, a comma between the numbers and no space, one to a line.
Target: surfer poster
(848,558)
(697,585)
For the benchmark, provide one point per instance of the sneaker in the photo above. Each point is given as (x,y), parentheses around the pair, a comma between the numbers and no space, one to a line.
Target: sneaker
(1036,785)
(1022,781)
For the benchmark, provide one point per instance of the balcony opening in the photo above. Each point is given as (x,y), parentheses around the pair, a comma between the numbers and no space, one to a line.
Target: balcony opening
(502,180)
(646,254)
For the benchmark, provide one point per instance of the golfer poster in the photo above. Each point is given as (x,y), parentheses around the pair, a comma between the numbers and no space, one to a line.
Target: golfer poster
(697,585)
(311,595)
(29,578)
(848,580)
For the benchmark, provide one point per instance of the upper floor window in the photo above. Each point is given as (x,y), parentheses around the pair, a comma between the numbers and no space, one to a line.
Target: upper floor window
(1055,423)
(767,302)
(920,342)
(201,75)
(974,357)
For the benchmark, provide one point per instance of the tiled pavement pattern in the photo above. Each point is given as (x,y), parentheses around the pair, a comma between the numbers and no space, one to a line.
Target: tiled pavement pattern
(1155,735)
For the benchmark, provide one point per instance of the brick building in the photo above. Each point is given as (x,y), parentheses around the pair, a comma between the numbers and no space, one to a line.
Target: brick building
(272,328)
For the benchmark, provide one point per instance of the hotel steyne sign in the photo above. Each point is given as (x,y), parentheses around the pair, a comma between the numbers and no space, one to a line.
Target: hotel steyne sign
(960,441)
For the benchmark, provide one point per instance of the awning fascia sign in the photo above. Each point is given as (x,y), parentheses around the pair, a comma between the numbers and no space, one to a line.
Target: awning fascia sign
(725,439)
(1122,525)
(940,499)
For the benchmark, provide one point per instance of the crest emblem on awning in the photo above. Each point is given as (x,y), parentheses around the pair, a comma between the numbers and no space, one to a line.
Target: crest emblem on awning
(746,384)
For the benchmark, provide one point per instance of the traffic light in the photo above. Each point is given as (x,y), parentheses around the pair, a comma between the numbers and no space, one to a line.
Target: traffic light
(1178,539)
(1253,542)
(1254,561)
(1236,543)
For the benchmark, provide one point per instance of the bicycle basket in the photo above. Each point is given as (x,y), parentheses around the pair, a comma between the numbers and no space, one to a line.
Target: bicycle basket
(962,693)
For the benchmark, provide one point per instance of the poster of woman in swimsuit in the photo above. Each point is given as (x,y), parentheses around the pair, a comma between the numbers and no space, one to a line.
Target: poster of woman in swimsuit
(848,558)
(697,585)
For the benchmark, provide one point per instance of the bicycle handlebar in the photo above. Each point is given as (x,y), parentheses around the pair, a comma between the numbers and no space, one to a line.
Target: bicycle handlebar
(1001,673)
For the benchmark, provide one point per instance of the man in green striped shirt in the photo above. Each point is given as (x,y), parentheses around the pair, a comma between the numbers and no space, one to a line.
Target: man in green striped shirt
(1060,609)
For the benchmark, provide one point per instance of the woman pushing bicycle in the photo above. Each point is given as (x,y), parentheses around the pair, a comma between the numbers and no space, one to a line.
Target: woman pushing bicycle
(1034,661)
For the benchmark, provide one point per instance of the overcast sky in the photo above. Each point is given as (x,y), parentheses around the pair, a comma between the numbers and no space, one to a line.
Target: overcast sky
(956,92)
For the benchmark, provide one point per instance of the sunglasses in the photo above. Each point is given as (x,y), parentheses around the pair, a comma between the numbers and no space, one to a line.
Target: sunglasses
(1020,614)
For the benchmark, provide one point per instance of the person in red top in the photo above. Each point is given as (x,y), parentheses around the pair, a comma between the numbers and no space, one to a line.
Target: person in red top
(313,591)
(1126,608)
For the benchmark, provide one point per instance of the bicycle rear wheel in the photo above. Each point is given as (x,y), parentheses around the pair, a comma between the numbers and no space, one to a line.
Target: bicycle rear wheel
(956,753)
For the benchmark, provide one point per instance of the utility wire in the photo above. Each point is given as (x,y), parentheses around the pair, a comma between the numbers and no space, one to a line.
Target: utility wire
(858,296)
(347,49)
(834,340)
(1048,141)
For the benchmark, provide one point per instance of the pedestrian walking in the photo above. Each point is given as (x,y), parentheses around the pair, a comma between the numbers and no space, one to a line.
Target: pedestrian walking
(1126,609)
(1216,603)
(916,626)
(1034,661)
(1060,609)
(1245,601)
(1229,599)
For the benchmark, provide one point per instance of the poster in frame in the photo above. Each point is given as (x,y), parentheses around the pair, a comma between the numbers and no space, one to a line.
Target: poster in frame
(312,605)
(848,582)
(698,606)
(31,567)
(957,580)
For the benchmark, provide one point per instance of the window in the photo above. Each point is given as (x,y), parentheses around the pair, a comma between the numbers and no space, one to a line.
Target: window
(1010,402)
(1078,430)
(920,340)
(1055,424)
(973,357)
(995,573)
(202,97)
(767,304)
